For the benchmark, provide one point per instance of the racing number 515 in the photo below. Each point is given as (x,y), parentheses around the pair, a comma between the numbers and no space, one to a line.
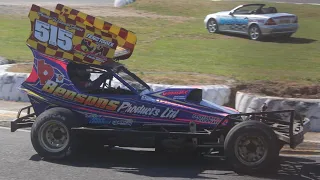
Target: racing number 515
(56,36)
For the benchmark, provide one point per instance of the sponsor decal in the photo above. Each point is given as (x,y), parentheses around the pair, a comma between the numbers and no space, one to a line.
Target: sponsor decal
(86,48)
(122,122)
(179,97)
(45,72)
(96,119)
(230,21)
(57,20)
(206,119)
(147,98)
(129,108)
(175,93)
(108,104)
(59,78)
(100,40)
(102,103)
(100,119)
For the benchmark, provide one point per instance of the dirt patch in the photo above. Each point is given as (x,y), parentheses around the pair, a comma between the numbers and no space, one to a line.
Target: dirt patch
(281,89)
(20,68)
(95,10)
(183,78)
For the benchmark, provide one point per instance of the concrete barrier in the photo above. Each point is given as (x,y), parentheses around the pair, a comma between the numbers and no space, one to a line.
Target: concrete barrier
(3,61)
(10,82)
(9,86)
(120,3)
(310,108)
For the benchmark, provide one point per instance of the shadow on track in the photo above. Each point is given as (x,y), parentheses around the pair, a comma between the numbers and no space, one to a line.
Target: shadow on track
(275,39)
(151,164)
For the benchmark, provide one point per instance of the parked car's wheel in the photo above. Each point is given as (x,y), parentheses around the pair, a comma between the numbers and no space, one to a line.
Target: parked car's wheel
(51,135)
(212,26)
(254,32)
(251,147)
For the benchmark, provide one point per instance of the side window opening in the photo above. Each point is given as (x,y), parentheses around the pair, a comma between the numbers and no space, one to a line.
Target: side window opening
(96,81)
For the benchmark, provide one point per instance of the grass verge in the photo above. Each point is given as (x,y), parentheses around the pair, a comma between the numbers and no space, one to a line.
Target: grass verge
(169,45)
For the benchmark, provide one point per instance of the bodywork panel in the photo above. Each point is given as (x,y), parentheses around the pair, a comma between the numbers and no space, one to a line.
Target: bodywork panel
(151,112)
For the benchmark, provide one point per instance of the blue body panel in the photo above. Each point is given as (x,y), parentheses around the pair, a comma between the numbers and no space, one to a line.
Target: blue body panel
(49,86)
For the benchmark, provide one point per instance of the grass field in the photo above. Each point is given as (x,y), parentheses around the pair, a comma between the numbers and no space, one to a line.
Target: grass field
(182,44)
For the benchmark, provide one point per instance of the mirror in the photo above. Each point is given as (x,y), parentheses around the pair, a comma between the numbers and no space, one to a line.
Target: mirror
(231,13)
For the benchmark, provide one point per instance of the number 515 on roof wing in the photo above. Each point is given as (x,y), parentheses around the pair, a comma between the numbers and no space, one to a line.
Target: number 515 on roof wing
(57,35)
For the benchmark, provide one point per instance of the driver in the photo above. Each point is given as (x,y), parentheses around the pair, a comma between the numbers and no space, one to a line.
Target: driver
(81,78)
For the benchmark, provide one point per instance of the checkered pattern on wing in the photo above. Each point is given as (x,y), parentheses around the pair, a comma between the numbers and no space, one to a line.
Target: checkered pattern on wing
(125,38)
(78,35)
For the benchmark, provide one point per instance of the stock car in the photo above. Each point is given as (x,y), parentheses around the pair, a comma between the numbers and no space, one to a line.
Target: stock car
(253,20)
(124,111)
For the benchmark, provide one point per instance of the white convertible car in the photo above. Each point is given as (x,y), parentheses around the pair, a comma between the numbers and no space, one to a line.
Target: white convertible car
(254,20)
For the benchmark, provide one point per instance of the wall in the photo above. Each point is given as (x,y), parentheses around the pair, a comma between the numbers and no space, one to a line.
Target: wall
(309,108)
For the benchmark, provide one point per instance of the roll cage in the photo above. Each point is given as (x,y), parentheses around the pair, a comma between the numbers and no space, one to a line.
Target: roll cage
(122,74)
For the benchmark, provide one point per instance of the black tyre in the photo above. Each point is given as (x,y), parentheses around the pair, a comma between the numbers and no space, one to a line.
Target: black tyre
(254,32)
(251,147)
(51,135)
(212,26)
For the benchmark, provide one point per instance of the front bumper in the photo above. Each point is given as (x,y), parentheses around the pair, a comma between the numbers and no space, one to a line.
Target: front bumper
(279,29)
(288,130)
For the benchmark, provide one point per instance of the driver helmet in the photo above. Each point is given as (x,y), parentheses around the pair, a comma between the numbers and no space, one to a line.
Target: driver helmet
(79,71)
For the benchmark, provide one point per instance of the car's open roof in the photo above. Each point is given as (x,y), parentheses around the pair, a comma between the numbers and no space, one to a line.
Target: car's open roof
(78,37)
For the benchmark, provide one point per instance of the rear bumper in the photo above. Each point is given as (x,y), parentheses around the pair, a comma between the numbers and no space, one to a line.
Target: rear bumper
(279,29)
(23,121)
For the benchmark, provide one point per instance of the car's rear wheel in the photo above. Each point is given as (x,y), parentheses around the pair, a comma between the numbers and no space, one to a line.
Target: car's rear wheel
(254,32)
(212,26)
(251,147)
(51,135)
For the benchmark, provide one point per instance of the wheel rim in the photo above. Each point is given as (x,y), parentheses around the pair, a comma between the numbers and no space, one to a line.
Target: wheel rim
(54,136)
(212,26)
(251,150)
(254,33)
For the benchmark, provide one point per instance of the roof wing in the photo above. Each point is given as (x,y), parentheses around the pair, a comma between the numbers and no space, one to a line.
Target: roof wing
(125,38)
(58,35)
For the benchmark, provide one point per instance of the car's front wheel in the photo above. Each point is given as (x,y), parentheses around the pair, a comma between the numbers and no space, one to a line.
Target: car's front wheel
(255,33)
(251,147)
(212,26)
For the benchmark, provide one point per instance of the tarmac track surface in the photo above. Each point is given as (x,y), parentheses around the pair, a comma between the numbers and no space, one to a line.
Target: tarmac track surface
(18,160)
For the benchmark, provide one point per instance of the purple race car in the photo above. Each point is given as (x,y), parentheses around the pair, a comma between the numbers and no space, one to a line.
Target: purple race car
(79,102)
